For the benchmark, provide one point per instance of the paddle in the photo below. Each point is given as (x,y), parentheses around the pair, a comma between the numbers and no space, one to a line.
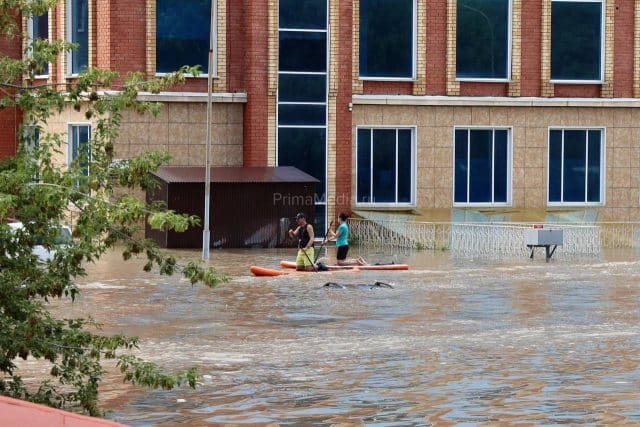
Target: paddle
(324,242)
(309,259)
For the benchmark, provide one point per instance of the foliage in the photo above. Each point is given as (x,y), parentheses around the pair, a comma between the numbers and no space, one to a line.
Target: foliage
(36,190)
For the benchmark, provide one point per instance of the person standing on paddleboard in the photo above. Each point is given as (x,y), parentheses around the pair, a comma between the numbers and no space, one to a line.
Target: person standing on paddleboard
(304,233)
(341,236)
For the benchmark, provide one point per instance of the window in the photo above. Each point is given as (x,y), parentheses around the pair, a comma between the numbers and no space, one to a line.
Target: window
(482,166)
(576,161)
(302,94)
(483,39)
(182,34)
(385,166)
(577,40)
(387,32)
(31,137)
(78,32)
(79,149)
(38,29)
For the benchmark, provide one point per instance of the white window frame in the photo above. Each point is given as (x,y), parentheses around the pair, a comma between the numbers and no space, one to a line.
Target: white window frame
(70,129)
(603,164)
(603,28)
(215,74)
(30,48)
(414,51)
(491,204)
(69,29)
(509,54)
(414,175)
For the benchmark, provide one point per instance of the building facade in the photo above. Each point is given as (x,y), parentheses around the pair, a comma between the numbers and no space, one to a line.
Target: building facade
(507,110)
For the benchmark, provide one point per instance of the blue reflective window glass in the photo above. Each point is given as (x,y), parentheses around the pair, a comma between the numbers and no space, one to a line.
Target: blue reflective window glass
(461,170)
(302,51)
(482,49)
(303,14)
(80,150)
(386,38)
(480,166)
(501,166)
(364,166)
(79,34)
(306,150)
(404,166)
(576,40)
(41,31)
(302,88)
(594,164)
(384,165)
(300,114)
(182,34)
(574,174)
(320,223)
(555,166)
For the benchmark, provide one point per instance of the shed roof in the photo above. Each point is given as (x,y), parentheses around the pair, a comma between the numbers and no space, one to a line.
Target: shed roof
(196,174)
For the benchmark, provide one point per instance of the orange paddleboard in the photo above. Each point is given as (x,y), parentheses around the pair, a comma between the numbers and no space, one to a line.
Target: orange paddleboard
(385,267)
(271,272)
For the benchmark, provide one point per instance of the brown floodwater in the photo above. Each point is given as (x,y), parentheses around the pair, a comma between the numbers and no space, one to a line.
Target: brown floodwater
(456,341)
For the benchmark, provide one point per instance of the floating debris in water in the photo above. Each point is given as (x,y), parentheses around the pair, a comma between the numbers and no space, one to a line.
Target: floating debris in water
(369,286)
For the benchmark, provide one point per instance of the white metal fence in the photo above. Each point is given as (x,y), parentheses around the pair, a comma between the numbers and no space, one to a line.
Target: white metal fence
(490,238)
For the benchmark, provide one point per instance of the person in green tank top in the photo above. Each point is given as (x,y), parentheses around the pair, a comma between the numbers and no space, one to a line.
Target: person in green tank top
(341,237)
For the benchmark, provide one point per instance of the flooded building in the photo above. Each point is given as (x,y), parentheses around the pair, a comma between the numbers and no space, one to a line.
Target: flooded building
(508,110)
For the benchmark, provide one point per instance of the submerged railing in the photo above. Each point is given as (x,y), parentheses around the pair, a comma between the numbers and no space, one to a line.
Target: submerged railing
(490,238)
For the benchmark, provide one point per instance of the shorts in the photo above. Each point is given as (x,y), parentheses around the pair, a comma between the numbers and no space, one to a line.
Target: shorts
(342,252)
(305,260)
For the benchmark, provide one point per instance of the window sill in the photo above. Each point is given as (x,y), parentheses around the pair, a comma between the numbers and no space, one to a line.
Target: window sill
(576,82)
(575,204)
(481,80)
(387,79)
(483,205)
(190,76)
(386,206)
(41,77)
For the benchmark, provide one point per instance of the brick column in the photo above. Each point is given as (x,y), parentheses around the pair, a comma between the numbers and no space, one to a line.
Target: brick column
(256,68)
(358,87)
(546,87)
(420,85)
(220,83)
(344,32)
(636,49)
(272,96)
(332,105)
(609,48)
(10,118)
(62,35)
(453,86)
(516,48)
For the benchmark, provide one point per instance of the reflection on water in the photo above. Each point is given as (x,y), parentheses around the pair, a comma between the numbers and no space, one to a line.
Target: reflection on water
(455,341)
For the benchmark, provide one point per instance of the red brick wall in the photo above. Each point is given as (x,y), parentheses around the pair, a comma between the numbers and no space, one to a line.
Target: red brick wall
(256,82)
(387,88)
(483,89)
(10,118)
(577,91)
(623,50)
(436,47)
(344,122)
(235,46)
(530,58)
(121,37)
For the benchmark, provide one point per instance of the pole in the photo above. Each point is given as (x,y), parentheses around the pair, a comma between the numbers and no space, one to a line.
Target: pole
(206,233)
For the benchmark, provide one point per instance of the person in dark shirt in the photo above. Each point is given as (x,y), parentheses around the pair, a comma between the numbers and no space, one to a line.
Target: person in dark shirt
(304,233)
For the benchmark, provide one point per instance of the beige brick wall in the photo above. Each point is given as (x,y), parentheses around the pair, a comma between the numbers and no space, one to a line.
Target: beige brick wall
(546,87)
(516,47)
(358,86)
(530,127)
(607,86)
(420,85)
(453,86)
(636,56)
(334,55)
(179,130)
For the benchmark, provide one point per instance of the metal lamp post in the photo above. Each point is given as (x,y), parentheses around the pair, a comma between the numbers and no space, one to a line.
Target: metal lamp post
(206,233)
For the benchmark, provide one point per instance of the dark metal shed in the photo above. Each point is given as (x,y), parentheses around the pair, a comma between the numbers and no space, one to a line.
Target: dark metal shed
(250,207)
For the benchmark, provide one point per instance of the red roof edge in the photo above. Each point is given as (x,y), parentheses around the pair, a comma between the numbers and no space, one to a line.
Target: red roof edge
(18,413)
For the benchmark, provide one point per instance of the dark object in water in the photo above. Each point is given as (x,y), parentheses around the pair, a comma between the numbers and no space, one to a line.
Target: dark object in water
(374,285)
